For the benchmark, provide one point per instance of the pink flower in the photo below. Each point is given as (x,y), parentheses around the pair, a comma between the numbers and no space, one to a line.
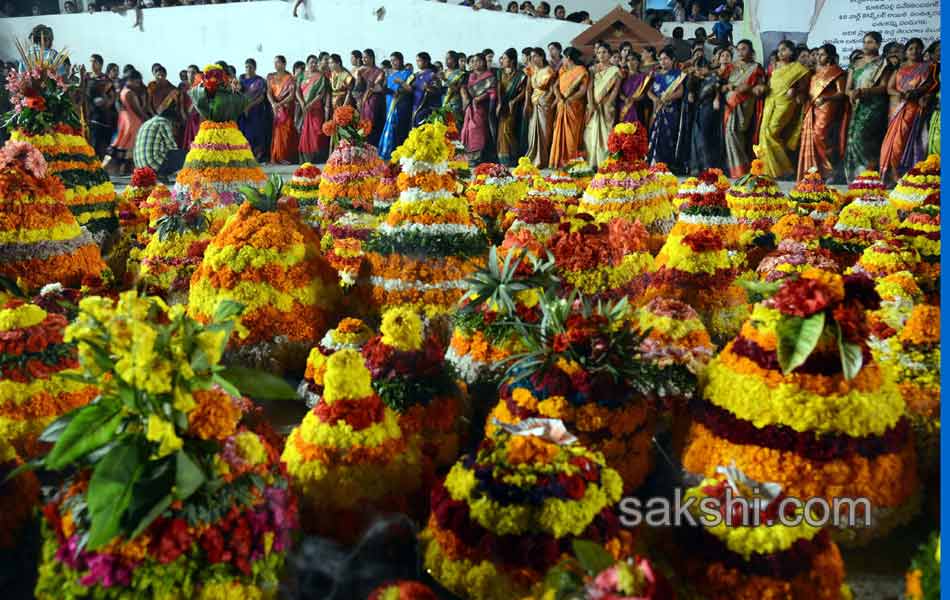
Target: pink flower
(24,155)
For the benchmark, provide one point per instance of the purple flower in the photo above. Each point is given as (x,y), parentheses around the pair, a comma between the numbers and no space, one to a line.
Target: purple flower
(107,571)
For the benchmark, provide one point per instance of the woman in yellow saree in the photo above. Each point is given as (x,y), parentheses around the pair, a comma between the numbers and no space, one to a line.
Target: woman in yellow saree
(571,95)
(539,109)
(781,120)
(601,107)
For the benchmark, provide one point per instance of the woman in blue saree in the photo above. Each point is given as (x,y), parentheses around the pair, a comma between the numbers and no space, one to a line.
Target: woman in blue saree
(398,107)
(668,143)
(255,121)
(426,91)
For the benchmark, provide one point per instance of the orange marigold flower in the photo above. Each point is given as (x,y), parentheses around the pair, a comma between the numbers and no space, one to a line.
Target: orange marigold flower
(758,167)
(343,115)
(215,417)
(528,449)
(833,282)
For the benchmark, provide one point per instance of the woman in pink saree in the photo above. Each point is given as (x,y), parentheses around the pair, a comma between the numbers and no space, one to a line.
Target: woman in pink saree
(312,95)
(477,97)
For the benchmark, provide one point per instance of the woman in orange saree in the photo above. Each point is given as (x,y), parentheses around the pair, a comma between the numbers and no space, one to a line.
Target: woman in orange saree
(571,99)
(903,143)
(281,93)
(824,126)
(312,92)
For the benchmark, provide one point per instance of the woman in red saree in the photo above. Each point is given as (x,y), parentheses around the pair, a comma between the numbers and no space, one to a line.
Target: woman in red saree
(478,94)
(189,114)
(281,91)
(372,100)
(824,129)
(903,143)
(570,94)
(313,90)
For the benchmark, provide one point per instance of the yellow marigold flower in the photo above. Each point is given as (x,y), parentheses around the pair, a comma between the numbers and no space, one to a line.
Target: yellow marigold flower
(250,448)
(402,329)
(182,400)
(914,590)
(212,344)
(625,128)
(528,449)
(554,407)
(161,431)
(346,377)
(524,398)
(833,282)
(25,315)
(215,417)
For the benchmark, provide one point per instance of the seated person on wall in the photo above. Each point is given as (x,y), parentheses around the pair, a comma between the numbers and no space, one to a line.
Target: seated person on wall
(155,146)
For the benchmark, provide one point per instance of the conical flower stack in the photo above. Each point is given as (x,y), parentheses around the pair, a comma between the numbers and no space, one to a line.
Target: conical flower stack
(703,206)
(823,421)
(868,183)
(813,198)
(304,187)
(349,334)
(429,243)
(916,185)
(757,199)
(133,222)
(33,390)
(492,191)
(791,258)
(886,257)
(535,213)
(860,223)
(351,177)
(266,259)
(920,230)
(174,250)
(349,457)
(690,185)
(581,172)
(220,160)
(899,294)
(40,240)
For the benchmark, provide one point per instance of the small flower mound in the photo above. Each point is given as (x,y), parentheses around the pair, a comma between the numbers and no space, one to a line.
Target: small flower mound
(885,258)
(505,514)
(797,398)
(860,224)
(403,590)
(304,188)
(40,239)
(813,198)
(492,191)
(916,185)
(756,197)
(868,183)
(538,212)
(920,230)
(349,456)
(349,334)
(793,257)
(268,261)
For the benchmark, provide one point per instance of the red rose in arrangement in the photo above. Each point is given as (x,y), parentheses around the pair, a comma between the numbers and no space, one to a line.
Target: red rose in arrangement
(144,177)
(35,102)
(573,486)
(801,298)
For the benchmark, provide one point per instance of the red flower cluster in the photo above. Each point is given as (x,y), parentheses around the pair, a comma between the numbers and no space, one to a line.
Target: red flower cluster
(144,177)
(211,80)
(385,361)
(801,298)
(36,103)
(33,341)
(358,413)
(170,539)
(710,176)
(407,590)
(491,170)
(629,147)
(308,172)
(230,541)
(704,240)
(537,211)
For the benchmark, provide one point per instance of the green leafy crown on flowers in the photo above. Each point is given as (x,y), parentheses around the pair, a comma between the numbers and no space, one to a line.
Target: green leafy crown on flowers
(190,216)
(40,96)
(267,198)
(134,439)
(499,283)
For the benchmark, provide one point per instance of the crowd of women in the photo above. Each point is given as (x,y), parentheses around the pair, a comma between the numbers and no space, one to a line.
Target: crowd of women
(717,108)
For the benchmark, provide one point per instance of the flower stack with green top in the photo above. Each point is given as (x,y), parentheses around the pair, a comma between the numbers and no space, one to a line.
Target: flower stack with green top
(797,398)
(40,240)
(492,191)
(349,457)
(755,544)
(170,492)
(922,581)
(304,188)
(756,199)
(624,187)
(813,198)
(920,230)
(430,243)
(348,187)
(584,366)
(268,260)
(581,172)
(860,223)
(916,185)
(507,512)
(44,116)
(37,366)
(220,161)
(349,334)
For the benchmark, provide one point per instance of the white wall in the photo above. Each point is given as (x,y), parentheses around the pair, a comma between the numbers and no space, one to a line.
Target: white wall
(177,37)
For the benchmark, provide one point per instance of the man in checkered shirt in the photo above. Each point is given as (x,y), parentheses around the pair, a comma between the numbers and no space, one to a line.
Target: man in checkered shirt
(155,146)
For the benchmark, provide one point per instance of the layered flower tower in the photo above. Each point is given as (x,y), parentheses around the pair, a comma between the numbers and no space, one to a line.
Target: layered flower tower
(624,187)
(36,364)
(899,294)
(492,191)
(581,172)
(813,198)
(348,188)
(920,230)
(349,457)
(692,186)
(411,377)
(755,551)
(506,513)
(133,222)
(860,223)
(916,185)
(756,199)
(536,214)
(304,188)
(266,259)
(886,257)
(585,368)
(220,160)
(349,334)
(796,398)
(429,243)
(792,257)
(40,240)
(44,115)
(181,493)
(868,183)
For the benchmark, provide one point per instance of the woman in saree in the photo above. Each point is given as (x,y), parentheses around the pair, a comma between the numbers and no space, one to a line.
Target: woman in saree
(253,122)
(539,109)
(933,131)
(426,91)
(781,127)
(372,102)
(477,97)
(601,106)
(398,107)
(313,91)
(633,90)
(453,78)
(824,120)
(131,117)
(706,133)
(668,133)
(866,89)
(511,94)
(903,145)
(341,91)
(739,111)
(570,95)
(281,93)
(189,114)
(162,95)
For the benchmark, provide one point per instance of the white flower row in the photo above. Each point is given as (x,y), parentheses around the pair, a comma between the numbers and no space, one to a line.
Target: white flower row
(702,188)
(433,229)
(707,220)
(847,228)
(587,198)
(411,166)
(400,285)
(417,195)
(500,181)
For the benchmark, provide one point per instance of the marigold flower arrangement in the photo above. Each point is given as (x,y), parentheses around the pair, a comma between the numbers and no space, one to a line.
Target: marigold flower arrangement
(526,170)
(750,550)
(40,240)
(388,189)
(899,294)
(813,198)
(661,172)
(560,188)
(536,213)
(868,183)
(349,334)
(586,368)
(269,261)
(703,207)
(37,365)
(429,243)
(581,172)
(133,223)
(922,581)
(403,590)
(220,157)
(493,190)
(757,197)
(304,188)
(920,230)
(791,258)
(349,456)
(860,223)
(506,513)
(44,116)
(886,257)
(171,491)
(602,260)
(916,185)
(797,398)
